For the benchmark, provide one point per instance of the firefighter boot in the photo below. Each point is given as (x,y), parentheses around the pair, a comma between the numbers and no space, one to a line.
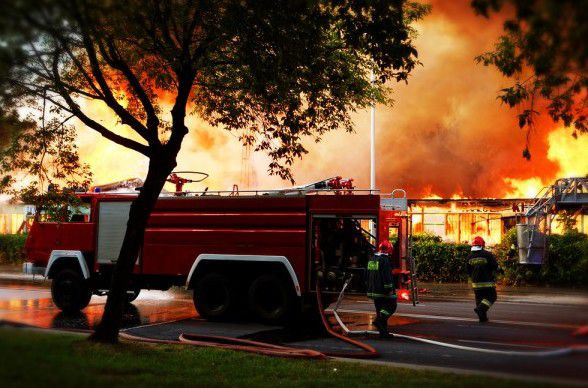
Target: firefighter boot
(381,323)
(481,312)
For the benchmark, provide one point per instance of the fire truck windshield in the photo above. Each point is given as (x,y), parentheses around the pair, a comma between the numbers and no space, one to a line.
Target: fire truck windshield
(79,213)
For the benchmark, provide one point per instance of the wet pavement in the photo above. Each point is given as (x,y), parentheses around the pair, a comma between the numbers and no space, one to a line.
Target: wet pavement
(521,323)
(31,304)
(524,335)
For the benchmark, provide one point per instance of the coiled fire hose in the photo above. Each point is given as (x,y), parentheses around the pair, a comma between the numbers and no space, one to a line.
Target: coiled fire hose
(541,353)
(243,345)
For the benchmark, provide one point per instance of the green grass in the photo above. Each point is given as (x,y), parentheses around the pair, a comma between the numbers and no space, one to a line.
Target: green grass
(60,360)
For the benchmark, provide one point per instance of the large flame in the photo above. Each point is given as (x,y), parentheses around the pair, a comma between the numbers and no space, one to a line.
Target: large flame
(447,134)
(458,222)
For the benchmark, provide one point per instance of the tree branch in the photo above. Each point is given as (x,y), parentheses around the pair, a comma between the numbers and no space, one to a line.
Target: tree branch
(75,109)
(114,59)
(179,129)
(126,117)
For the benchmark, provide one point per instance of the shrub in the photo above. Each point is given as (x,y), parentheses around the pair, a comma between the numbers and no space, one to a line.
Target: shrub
(439,261)
(426,237)
(506,253)
(12,248)
(567,261)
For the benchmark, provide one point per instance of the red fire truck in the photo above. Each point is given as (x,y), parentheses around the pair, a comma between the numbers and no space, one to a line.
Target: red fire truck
(259,251)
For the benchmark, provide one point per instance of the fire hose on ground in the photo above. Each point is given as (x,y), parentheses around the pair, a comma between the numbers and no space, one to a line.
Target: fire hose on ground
(263,348)
(238,344)
(367,351)
(542,353)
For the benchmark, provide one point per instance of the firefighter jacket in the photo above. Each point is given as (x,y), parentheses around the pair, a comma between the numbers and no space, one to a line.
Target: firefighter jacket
(380,283)
(481,266)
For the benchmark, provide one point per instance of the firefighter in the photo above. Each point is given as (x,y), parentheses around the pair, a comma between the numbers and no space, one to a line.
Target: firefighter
(380,287)
(481,266)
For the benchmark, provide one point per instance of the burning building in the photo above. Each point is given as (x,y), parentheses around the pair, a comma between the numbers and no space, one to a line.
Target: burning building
(15,218)
(459,220)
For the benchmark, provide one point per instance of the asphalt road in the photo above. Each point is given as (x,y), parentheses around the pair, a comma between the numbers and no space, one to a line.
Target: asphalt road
(527,325)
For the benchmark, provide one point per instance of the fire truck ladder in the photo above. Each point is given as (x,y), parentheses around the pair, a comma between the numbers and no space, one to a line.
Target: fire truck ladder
(564,194)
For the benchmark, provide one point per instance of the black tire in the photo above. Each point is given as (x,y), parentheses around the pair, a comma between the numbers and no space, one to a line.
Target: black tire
(271,299)
(70,291)
(133,294)
(214,296)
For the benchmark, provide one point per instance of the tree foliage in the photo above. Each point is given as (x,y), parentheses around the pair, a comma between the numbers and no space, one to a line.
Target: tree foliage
(545,50)
(48,155)
(276,71)
(10,125)
(37,158)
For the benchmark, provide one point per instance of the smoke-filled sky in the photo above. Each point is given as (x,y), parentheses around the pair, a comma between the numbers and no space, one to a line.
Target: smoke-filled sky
(446,134)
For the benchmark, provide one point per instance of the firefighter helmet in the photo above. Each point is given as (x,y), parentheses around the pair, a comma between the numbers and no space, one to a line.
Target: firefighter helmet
(478,242)
(385,247)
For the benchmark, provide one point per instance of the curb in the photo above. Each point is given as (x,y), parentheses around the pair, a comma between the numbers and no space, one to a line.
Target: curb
(24,278)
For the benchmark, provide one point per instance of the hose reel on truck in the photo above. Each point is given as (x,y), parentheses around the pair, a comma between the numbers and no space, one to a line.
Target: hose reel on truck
(179,181)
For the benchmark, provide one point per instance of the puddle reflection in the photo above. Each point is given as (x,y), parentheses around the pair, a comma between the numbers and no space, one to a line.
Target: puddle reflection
(85,320)
(33,306)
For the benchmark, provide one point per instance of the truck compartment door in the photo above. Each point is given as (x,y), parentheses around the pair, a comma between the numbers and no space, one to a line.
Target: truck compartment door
(112,224)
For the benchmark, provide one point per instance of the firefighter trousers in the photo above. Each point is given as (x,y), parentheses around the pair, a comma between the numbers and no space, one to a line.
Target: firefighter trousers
(485,297)
(385,307)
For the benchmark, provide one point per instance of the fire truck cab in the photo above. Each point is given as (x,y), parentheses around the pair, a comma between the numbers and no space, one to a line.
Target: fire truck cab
(259,252)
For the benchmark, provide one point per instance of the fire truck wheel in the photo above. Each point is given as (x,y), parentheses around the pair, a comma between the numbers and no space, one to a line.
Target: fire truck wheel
(213,296)
(270,299)
(70,291)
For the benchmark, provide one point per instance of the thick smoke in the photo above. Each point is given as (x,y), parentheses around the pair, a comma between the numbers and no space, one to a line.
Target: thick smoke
(446,134)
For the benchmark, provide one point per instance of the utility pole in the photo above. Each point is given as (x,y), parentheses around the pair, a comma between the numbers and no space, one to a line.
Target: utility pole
(373,154)
(373,143)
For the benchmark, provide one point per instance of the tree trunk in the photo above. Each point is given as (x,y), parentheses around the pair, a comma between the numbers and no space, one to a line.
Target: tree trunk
(159,169)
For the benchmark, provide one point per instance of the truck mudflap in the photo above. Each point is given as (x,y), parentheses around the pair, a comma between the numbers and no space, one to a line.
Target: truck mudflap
(246,258)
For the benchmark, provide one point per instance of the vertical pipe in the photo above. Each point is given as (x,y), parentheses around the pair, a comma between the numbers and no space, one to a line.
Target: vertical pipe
(373,142)
(373,152)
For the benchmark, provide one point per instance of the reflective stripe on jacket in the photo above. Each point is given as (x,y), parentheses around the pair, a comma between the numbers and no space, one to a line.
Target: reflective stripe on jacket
(380,283)
(481,266)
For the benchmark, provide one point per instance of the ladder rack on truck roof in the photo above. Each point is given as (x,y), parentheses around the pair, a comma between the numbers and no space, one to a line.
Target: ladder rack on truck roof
(242,193)
(334,185)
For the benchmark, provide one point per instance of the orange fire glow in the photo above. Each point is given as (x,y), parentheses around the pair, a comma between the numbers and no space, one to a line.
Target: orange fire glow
(446,135)
(458,223)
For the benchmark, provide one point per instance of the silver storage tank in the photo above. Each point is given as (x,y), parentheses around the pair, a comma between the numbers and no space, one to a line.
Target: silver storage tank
(524,233)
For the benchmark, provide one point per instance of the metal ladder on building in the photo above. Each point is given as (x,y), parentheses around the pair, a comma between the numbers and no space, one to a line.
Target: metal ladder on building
(565,193)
